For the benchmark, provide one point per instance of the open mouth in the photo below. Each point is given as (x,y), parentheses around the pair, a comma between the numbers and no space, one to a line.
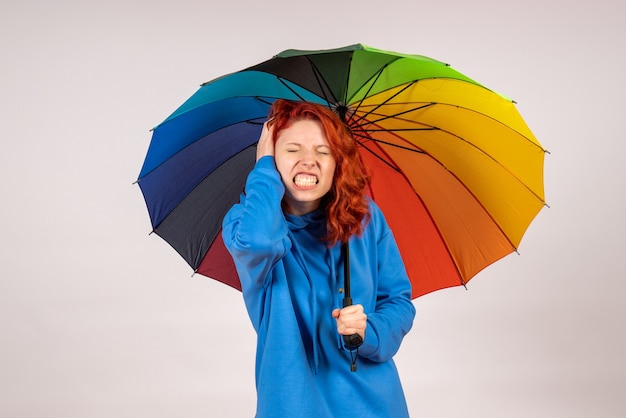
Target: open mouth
(304,181)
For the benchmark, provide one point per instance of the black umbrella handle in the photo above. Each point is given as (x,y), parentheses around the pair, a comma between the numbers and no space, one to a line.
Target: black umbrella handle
(351,342)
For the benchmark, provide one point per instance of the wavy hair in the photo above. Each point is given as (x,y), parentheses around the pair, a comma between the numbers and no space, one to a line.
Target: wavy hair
(345,204)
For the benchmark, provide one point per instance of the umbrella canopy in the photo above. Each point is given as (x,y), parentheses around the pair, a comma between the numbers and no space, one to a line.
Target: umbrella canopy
(455,169)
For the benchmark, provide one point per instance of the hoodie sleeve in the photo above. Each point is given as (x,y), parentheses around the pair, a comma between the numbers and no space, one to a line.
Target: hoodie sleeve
(254,230)
(394,311)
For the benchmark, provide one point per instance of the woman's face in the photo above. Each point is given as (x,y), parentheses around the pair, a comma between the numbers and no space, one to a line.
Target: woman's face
(305,164)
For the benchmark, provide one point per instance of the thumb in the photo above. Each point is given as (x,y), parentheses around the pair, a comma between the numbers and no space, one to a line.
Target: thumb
(335,313)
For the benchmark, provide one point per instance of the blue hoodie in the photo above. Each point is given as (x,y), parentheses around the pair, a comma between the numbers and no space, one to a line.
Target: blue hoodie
(291,282)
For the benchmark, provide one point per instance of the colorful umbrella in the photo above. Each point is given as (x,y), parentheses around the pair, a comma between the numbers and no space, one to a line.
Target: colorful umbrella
(456,170)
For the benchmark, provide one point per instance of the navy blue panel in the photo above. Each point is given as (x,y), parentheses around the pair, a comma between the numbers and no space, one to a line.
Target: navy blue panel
(166,186)
(177,134)
(195,222)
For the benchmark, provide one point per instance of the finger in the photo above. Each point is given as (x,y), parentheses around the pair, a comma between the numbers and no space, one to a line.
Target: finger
(352,309)
(350,331)
(358,321)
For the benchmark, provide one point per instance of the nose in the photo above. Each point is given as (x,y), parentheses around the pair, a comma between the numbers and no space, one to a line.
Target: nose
(308,159)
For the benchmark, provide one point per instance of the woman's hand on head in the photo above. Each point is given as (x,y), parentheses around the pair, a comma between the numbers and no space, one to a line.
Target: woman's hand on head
(266,141)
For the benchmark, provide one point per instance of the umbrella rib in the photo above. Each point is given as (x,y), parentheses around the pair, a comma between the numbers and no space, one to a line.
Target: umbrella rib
(400,129)
(324,88)
(380,141)
(289,87)
(373,83)
(374,153)
(378,74)
(346,83)
(393,116)
(319,79)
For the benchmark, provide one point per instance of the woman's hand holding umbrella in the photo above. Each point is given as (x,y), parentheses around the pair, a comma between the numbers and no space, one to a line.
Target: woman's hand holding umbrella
(351,324)
(351,320)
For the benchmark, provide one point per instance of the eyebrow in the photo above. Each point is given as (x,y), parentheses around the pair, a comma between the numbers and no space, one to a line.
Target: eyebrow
(298,144)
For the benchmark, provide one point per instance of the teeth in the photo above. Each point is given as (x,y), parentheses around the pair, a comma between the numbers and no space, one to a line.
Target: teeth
(302,180)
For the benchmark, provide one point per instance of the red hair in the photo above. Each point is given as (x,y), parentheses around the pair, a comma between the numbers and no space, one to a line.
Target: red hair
(345,204)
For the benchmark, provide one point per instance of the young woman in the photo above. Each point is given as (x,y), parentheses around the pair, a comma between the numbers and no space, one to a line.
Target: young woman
(305,197)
